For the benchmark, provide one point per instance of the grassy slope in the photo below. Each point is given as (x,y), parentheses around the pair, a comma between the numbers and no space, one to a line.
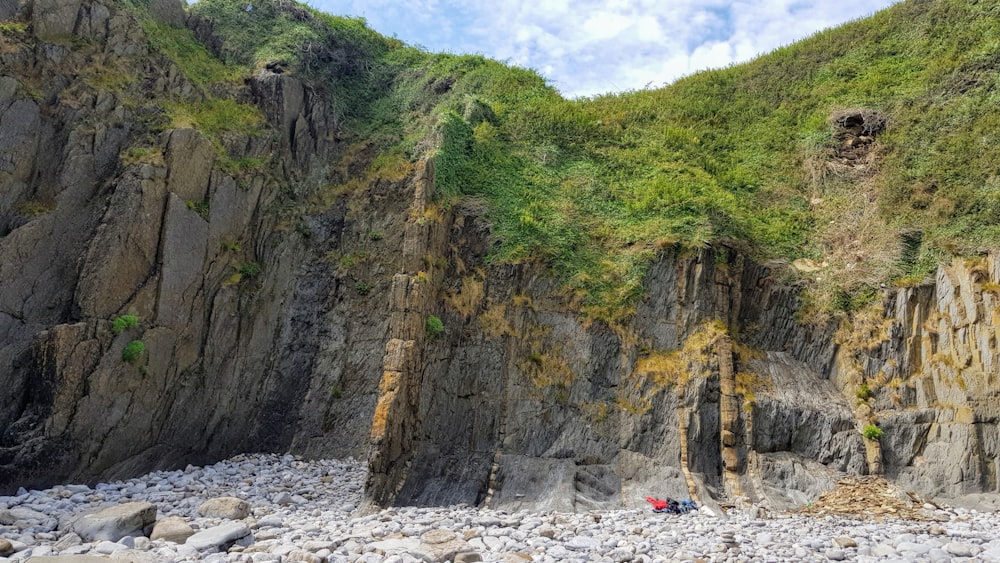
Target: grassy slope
(744,155)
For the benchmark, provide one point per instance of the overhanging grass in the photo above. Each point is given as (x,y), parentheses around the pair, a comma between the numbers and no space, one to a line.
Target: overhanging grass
(742,156)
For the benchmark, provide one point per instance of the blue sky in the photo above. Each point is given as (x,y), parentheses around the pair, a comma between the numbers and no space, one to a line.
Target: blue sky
(588,47)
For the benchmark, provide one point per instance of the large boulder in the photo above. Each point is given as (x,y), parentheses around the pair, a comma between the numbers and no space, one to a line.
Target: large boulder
(174,529)
(228,508)
(219,538)
(115,522)
(21,517)
(55,20)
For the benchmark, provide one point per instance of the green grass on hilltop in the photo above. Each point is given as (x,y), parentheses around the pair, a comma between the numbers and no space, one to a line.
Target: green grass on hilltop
(749,156)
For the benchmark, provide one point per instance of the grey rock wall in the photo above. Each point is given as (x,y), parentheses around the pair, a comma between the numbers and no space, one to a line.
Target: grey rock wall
(555,404)
(88,233)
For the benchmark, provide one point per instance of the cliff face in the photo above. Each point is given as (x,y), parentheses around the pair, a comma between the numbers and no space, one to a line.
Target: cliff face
(713,389)
(285,305)
(104,215)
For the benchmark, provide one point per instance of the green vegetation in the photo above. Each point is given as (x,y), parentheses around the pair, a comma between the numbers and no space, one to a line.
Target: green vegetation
(363,288)
(342,55)
(123,323)
(211,107)
(868,150)
(190,56)
(434,326)
(35,207)
(864,392)
(133,351)
(216,117)
(199,207)
(143,155)
(248,269)
(12,27)
(872,432)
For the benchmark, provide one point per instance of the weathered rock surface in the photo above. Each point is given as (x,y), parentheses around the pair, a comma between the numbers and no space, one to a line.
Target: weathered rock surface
(229,508)
(116,522)
(219,537)
(173,529)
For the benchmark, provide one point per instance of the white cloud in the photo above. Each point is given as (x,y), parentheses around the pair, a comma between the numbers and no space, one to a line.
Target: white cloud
(587,47)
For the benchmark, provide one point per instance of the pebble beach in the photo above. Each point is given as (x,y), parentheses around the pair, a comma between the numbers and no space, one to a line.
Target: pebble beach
(256,508)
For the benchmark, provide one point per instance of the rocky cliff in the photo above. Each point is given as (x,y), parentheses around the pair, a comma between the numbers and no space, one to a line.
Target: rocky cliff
(285,288)
(108,211)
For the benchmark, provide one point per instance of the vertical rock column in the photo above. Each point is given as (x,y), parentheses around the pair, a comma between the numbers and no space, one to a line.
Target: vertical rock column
(729,412)
(396,421)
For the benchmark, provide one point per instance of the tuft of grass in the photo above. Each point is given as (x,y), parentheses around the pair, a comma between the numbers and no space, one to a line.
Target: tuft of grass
(10,28)
(199,207)
(216,117)
(248,269)
(872,432)
(467,298)
(749,384)
(991,287)
(133,351)
(864,392)
(35,207)
(123,323)
(363,288)
(143,155)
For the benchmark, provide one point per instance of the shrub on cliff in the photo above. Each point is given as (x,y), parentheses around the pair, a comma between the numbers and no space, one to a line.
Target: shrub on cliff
(123,323)
(434,326)
(133,351)
(872,432)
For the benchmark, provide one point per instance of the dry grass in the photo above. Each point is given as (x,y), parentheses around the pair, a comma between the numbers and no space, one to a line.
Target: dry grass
(36,207)
(523,300)
(430,214)
(143,155)
(548,369)
(746,353)
(633,404)
(750,383)
(326,197)
(494,321)
(979,268)
(864,329)
(468,298)
(392,167)
(659,369)
(595,413)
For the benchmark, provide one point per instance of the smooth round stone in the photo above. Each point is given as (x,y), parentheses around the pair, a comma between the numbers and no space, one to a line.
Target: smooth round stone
(835,554)
(844,541)
(959,549)
(938,555)
(913,547)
